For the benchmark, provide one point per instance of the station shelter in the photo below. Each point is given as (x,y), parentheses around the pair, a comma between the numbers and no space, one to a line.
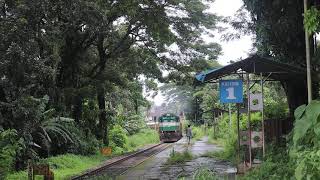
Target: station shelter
(257,70)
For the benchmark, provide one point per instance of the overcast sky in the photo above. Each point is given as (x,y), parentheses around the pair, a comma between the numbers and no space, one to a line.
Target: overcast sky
(235,49)
(232,50)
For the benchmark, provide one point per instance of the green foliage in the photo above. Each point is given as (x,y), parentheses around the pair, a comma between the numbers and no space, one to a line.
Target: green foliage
(198,132)
(204,174)
(118,137)
(85,143)
(301,157)
(10,146)
(306,128)
(273,28)
(306,142)
(65,166)
(275,101)
(226,135)
(179,157)
(228,153)
(145,136)
(307,164)
(311,20)
(134,123)
(88,57)
(276,166)
(41,128)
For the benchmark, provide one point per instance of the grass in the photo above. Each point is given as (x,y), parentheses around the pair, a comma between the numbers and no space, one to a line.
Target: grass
(198,132)
(220,155)
(227,141)
(67,165)
(147,136)
(205,174)
(227,154)
(179,157)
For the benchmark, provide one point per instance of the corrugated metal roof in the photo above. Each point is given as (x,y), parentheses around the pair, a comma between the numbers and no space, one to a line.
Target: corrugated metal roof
(256,65)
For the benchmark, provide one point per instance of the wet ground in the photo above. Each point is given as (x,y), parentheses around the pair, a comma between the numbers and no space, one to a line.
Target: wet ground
(155,167)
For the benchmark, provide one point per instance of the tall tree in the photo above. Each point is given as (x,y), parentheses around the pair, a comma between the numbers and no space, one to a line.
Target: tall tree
(279,33)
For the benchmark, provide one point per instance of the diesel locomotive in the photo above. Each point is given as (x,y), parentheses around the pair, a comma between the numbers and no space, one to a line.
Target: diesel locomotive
(170,128)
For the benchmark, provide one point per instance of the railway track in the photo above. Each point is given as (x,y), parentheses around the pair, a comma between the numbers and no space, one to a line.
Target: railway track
(121,165)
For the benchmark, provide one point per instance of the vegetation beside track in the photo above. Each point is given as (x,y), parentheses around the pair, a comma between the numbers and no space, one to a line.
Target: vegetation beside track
(67,165)
(299,157)
(179,157)
(205,174)
(198,132)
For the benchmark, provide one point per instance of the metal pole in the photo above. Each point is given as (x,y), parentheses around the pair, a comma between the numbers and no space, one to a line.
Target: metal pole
(249,114)
(305,5)
(262,115)
(230,118)
(214,124)
(238,128)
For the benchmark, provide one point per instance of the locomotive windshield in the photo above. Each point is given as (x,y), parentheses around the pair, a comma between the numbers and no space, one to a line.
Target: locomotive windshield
(169,117)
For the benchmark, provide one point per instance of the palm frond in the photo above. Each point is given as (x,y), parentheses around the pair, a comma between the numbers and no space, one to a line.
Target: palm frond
(46,135)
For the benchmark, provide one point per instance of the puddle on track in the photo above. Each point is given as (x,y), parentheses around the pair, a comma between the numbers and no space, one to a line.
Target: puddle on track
(154,167)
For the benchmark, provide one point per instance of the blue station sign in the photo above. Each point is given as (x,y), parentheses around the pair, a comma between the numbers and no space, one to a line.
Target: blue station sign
(231,91)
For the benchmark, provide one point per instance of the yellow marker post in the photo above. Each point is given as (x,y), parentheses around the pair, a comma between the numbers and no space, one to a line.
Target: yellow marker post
(106,151)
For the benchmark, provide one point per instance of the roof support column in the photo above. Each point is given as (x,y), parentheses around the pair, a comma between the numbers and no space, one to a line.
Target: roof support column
(305,5)
(249,114)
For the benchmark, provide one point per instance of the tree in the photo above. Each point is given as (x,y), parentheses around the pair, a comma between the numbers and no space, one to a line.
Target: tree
(81,52)
(279,33)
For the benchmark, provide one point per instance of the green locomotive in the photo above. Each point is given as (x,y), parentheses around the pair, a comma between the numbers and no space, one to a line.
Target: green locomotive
(170,128)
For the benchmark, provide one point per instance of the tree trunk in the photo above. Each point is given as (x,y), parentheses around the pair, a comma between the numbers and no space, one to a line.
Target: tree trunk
(297,94)
(77,108)
(103,124)
(136,106)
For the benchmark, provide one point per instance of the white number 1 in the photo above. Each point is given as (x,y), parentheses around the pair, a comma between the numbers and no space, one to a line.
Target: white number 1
(231,93)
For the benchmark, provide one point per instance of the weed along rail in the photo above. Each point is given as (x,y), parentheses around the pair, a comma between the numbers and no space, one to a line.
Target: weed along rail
(119,166)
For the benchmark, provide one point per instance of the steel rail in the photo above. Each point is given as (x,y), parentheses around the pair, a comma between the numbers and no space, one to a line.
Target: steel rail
(99,170)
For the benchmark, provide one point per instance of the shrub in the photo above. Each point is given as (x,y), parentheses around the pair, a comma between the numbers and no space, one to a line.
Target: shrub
(276,166)
(306,134)
(118,136)
(84,143)
(88,145)
(198,132)
(10,146)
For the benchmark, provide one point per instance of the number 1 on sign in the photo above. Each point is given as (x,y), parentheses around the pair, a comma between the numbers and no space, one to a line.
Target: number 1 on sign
(231,93)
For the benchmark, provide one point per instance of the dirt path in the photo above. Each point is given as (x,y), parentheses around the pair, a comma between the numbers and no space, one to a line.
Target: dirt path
(155,168)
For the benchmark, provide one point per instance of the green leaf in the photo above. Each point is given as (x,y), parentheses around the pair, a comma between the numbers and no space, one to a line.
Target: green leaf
(313,111)
(299,171)
(299,111)
(301,127)
(317,129)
